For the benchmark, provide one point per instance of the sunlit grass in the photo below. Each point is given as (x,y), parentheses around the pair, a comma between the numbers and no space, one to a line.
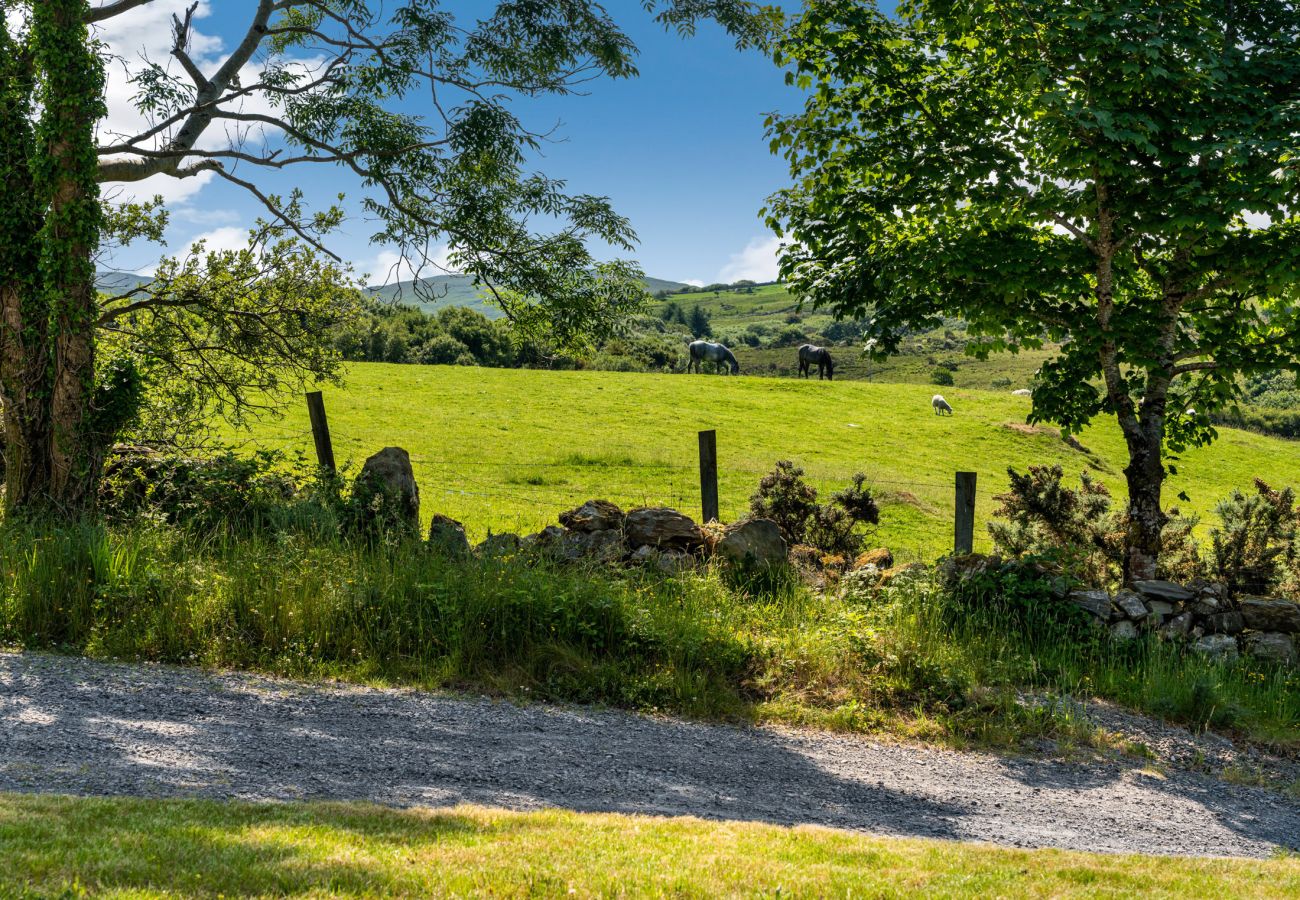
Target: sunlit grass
(508,450)
(55,846)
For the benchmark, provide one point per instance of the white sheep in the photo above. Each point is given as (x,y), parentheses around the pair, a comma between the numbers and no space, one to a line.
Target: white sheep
(1022,392)
(940,405)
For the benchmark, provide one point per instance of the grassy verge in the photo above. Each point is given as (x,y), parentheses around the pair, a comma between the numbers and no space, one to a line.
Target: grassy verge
(148,848)
(910,660)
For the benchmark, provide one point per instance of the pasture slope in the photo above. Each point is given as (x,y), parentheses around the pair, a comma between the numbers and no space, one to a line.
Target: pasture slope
(506,449)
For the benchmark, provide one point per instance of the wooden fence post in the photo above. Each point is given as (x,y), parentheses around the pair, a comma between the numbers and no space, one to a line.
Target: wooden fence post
(709,475)
(320,431)
(964,525)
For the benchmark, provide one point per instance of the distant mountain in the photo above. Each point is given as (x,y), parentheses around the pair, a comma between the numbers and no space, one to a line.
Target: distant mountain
(111,282)
(440,291)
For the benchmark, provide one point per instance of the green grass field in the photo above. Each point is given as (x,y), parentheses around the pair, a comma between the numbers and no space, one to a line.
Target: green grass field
(55,846)
(508,449)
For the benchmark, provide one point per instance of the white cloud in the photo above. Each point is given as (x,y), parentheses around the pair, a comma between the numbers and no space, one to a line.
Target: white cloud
(144,35)
(757,262)
(389,267)
(228,238)
(1255,221)
(694,282)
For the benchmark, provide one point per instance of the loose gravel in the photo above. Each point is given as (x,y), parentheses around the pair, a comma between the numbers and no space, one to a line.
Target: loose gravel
(76,726)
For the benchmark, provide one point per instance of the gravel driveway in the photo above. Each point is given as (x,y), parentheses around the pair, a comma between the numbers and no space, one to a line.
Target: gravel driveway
(75,726)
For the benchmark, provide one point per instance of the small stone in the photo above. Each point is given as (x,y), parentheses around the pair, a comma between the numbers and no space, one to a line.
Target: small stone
(1272,645)
(1180,626)
(1123,630)
(1096,602)
(503,544)
(446,535)
(1160,608)
(1217,646)
(1163,590)
(1229,622)
(1131,605)
(1271,615)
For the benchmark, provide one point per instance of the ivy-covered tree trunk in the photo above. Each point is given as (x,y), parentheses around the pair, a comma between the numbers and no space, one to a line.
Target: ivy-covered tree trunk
(48,302)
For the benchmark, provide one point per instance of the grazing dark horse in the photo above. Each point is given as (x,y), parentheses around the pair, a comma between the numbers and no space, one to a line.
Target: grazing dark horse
(704,351)
(809,356)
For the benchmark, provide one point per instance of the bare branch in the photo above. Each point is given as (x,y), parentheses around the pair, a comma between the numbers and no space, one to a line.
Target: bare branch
(116,8)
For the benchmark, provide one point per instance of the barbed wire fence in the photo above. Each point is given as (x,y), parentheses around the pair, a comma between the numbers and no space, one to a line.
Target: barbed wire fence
(547,487)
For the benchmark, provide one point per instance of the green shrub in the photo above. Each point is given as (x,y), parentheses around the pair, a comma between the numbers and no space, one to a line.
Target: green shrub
(1255,544)
(1076,527)
(786,499)
(941,376)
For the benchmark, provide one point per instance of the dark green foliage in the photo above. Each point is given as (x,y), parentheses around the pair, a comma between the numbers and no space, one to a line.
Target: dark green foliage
(786,499)
(222,490)
(1039,516)
(698,323)
(1045,174)
(941,376)
(1021,595)
(1254,547)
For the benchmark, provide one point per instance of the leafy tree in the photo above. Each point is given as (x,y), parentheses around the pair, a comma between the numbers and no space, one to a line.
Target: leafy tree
(413,104)
(1117,177)
(698,322)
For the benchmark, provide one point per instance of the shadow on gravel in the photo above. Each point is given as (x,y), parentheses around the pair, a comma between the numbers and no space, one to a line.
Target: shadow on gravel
(73,726)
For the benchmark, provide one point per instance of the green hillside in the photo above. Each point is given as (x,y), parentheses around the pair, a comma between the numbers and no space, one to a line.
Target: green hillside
(509,449)
(441,291)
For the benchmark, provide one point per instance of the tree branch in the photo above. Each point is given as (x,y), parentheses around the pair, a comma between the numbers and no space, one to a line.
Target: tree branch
(109,10)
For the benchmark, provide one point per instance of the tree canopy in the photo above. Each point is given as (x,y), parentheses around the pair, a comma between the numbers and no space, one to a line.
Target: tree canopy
(417,105)
(1117,177)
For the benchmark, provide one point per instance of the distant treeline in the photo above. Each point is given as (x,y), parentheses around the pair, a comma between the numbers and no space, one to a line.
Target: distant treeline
(653,342)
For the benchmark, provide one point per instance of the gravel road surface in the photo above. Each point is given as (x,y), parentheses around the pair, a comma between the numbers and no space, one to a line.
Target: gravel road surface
(76,726)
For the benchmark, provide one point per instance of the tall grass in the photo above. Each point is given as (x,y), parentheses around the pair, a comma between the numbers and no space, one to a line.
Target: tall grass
(295,599)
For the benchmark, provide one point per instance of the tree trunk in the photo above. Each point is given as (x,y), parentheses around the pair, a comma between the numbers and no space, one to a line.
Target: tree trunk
(1145,475)
(48,300)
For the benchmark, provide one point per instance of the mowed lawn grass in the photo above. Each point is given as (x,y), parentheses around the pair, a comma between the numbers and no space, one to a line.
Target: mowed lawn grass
(55,846)
(508,449)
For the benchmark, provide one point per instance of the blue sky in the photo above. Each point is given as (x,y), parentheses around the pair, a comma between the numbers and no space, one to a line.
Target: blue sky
(680,150)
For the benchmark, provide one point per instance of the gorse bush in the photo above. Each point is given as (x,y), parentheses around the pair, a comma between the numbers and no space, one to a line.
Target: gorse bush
(1078,529)
(1254,547)
(833,528)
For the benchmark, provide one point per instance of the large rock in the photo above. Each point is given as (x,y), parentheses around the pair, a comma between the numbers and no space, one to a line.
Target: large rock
(1229,622)
(1096,602)
(1163,590)
(1131,605)
(1217,646)
(592,516)
(662,528)
(385,494)
(1270,615)
(1272,646)
(756,543)
(446,535)
(604,546)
